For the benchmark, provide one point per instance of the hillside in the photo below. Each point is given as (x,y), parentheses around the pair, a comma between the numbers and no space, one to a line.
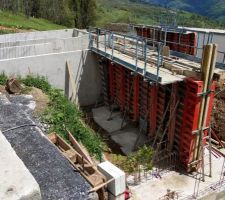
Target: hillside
(212,8)
(11,23)
(126,11)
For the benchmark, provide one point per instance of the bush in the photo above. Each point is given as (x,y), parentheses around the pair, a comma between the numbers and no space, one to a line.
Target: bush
(143,157)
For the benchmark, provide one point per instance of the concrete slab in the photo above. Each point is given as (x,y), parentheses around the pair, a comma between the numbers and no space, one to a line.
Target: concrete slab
(182,184)
(16,182)
(126,137)
(101,116)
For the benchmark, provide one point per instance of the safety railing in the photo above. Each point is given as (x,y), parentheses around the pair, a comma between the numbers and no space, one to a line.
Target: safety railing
(111,45)
(202,38)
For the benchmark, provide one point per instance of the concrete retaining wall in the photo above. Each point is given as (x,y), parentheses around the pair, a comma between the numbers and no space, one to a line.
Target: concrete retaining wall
(65,33)
(16,182)
(23,51)
(47,46)
(83,63)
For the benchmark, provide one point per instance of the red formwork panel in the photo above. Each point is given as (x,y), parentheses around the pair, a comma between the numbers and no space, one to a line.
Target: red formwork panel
(190,120)
(153,109)
(187,40)
(119,72)
(161,103)
(132,95)
(111,82)
(171,127)
(193,43)
(143,99)
(135,99)
(116,84)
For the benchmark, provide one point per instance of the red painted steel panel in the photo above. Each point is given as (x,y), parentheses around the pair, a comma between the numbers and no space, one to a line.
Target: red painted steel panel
(190,120)
(153,110)
(171,128)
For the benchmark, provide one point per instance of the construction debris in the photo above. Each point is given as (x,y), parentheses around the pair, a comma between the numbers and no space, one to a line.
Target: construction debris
(13,86)
(87,169)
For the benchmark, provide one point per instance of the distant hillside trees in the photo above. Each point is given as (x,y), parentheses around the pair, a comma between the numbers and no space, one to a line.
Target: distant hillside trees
(78,13)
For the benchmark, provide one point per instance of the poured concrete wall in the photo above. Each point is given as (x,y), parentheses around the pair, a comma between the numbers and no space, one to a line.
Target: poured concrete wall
(65,33)
(46,53)
(16,182)
(83,63)
(44,46)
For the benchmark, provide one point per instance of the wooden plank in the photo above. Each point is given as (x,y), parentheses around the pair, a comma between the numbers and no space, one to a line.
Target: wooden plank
(78,147)
(205,70)
(72,82)
(101,186)
(88,171)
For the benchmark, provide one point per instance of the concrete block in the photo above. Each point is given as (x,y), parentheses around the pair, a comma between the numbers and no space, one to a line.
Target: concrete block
(119,197)
(118,186)
(16,182)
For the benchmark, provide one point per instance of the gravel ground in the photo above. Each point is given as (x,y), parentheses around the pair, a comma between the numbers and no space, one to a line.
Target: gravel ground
(55,176)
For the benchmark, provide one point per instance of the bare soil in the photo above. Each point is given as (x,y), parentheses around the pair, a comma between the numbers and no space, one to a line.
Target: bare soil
(16,30)
(40,98)
(218,118)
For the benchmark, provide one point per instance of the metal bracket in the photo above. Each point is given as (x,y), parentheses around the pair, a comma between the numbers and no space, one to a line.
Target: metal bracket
(205,93)
(198,131)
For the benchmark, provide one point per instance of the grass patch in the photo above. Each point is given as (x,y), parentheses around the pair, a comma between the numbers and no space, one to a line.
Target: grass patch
(20,21)
(3,79)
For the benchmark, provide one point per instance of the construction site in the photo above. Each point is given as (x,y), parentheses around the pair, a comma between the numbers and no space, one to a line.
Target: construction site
(157,86)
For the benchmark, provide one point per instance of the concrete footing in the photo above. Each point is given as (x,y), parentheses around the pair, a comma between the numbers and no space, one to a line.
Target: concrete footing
(127,136)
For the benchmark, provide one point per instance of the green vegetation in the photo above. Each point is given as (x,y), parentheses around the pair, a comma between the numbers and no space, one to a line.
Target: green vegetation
(132,163)
(125,11)
(214,9)
(84,13)
(3,79)
(6,31)
(20,21)
(61,114)
(70,13)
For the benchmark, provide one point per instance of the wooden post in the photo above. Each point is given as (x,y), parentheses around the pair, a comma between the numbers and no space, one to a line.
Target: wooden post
(205,69)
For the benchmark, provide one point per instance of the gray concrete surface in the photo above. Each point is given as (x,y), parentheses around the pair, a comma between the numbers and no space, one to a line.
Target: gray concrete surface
(52,171)
(84,65)
(64,33)
(46,53)
(125,137)
(16,182)
(41,47)
(183,184)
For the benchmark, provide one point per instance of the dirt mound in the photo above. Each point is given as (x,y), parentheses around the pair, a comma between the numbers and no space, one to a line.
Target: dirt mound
(2,89)
(218,118)
(14,30)
(40,98)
